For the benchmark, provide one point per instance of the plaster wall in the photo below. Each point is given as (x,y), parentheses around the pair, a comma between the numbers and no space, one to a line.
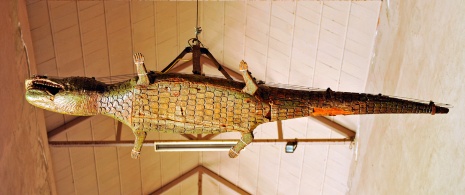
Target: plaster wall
(24,153)
(419,53)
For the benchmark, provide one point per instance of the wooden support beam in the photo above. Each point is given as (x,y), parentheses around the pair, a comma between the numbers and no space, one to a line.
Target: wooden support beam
(176,181)
(119,128)
(231,73)
(280,129)
(335,126)
(200,170)
(209,136)
(197,57)
(189,136)
(216,63)
(223,181)
(182,66)
(200,182)
(206,61)
(129,143)
(197,67)
(176,60)
(67,125)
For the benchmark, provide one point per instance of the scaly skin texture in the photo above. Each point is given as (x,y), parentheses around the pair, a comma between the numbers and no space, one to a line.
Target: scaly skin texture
(194,104)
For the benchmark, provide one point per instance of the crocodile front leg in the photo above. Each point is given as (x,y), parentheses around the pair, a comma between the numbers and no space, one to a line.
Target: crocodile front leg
(246,139)
(141,70)
(250,84)
(140,137)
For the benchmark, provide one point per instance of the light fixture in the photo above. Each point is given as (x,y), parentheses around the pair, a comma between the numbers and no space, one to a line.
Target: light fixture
(290,147)
(193,146)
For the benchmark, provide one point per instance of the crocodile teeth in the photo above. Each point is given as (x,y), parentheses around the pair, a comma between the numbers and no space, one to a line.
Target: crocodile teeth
(45,85)
(48,83)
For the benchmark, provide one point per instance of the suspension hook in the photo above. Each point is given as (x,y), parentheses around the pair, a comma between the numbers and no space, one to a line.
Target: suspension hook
(198,30)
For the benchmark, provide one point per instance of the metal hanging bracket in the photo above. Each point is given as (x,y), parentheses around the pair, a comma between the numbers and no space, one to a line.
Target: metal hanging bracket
(196,48)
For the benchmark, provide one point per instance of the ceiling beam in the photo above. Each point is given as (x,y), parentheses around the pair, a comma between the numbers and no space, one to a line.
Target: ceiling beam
(222,180)
(189,136)
(199,183)
(176,181)
(200,170)
(119,128)
(280,129)
(129,143)
(209,136)
(334,126)
(67,126)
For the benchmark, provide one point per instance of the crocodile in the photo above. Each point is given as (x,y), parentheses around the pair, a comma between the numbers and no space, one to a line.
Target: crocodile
(198,104)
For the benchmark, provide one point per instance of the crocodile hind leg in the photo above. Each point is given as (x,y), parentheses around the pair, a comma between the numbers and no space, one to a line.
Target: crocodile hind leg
(141,71)
(140,137)
(245,140)
(250,84)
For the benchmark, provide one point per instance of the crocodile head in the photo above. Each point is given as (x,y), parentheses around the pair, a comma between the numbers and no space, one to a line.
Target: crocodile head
(71,95)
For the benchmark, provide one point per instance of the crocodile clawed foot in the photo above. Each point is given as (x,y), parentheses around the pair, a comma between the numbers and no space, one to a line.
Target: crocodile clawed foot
(250,84)
(140,137)
(141,71)
(138,58)
(243,66)
(135,154)
(245,140)
(232,153)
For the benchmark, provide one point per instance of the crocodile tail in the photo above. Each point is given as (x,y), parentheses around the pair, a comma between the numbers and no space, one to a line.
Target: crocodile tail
(287,104)
(362,103)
